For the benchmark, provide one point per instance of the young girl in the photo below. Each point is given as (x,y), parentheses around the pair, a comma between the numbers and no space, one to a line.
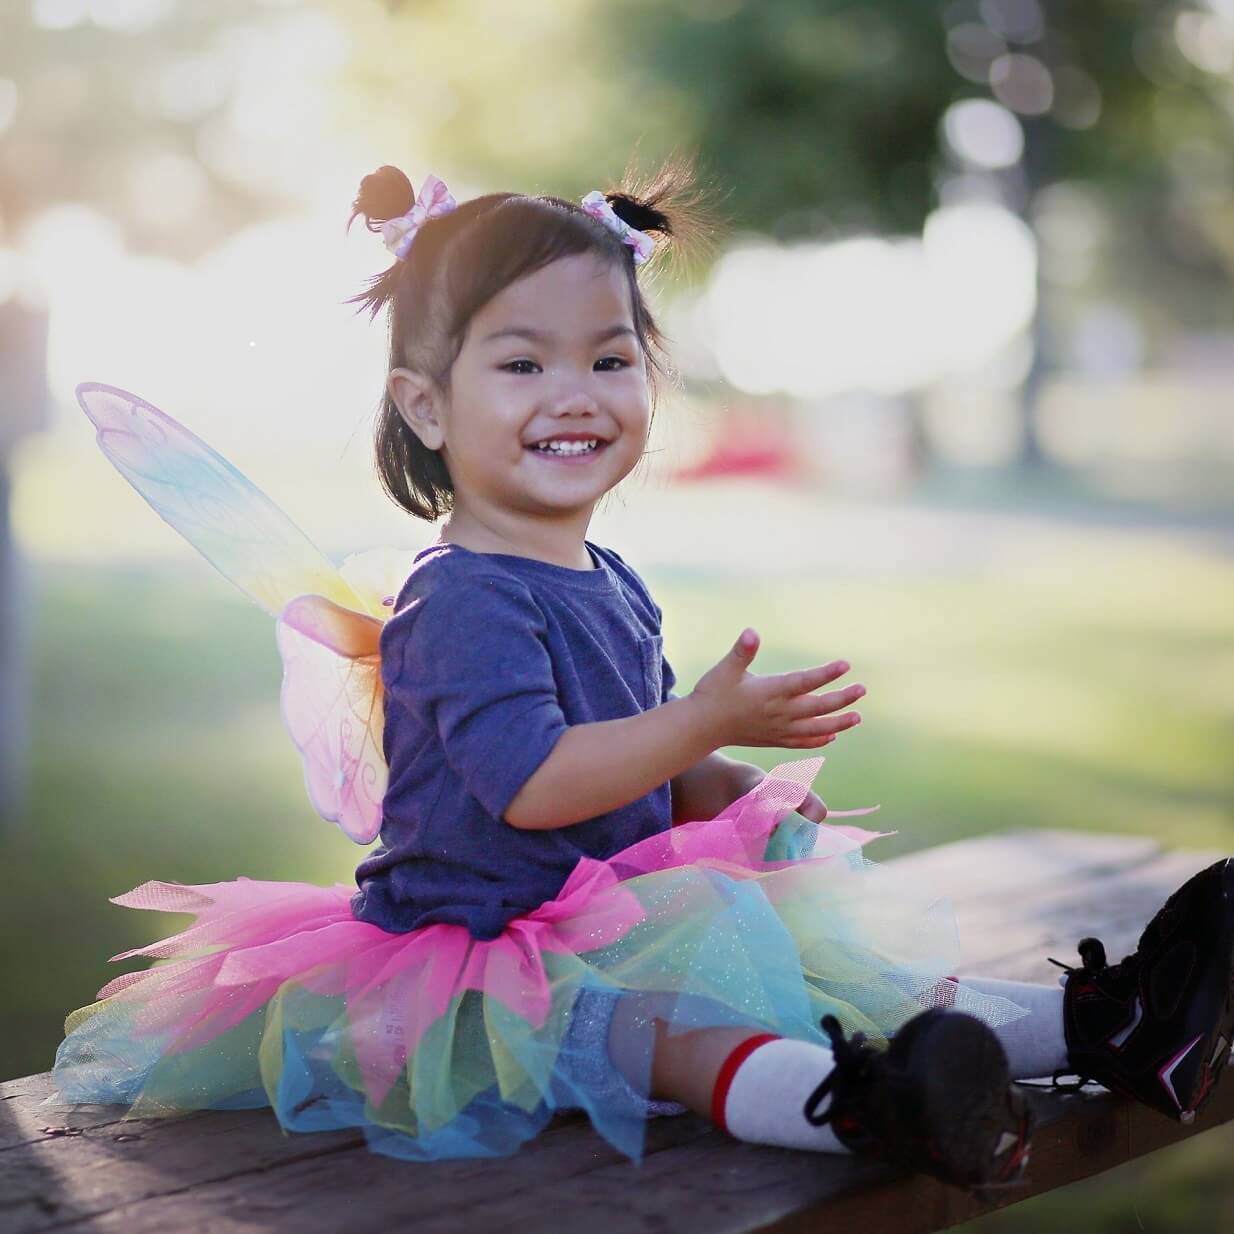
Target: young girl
(577,902)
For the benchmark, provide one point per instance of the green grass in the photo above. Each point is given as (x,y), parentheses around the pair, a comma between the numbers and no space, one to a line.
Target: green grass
(1062,688)
(1086,693)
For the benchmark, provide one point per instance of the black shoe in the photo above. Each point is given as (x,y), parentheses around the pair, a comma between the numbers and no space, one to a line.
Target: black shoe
(1157,1026)
(938,1099)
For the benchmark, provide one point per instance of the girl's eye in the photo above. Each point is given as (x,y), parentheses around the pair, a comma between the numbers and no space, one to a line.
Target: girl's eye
(514,366)
(617,361)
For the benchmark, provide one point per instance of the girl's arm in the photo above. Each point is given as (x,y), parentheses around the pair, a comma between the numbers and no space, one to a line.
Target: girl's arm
(598,767)
(595,768)
(712,785)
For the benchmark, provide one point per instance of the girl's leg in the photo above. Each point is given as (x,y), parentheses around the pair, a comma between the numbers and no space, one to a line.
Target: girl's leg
(686,1066)
(938,1099)
(753,1085)
(1034,1043)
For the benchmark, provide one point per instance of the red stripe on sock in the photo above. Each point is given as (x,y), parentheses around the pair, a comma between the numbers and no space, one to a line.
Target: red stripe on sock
(728,1071)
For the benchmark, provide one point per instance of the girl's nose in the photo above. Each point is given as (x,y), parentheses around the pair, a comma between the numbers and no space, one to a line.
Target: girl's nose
(573,399)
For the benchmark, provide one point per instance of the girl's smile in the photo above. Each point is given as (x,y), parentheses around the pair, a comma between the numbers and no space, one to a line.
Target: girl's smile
(570,450)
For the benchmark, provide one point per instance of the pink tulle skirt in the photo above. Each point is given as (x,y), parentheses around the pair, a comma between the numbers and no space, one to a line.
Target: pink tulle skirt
(441,1045)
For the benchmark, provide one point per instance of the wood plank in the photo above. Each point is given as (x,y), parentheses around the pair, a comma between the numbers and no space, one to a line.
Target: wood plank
(28,1120)
(220,1170)
(694,1180)
(1003,943)
(1020,864)
(86,1161)
(66,1168)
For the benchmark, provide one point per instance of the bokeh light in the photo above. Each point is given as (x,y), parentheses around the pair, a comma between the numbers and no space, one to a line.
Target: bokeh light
(982,133)
(871,313)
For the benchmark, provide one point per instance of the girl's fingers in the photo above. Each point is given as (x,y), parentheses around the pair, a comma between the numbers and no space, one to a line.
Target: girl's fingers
(822,704)
(822,728)
(806,743)
(806,679)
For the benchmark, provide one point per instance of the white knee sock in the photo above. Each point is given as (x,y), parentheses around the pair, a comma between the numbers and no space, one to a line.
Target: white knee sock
(1034,1043)
(761,1095)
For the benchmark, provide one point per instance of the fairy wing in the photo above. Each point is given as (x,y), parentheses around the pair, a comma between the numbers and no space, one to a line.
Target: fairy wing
(332,707)
(328,619)
(227,519)
(332,692)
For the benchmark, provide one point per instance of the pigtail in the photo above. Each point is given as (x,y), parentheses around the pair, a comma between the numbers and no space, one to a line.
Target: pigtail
(384,194)
(671,204)
(413,476)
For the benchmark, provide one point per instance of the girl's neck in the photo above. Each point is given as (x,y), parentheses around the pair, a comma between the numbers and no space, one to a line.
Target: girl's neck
(562,547)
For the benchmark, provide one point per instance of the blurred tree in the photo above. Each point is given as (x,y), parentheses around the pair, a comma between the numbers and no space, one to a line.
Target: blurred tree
(823,117)
(502,93)
(819,115)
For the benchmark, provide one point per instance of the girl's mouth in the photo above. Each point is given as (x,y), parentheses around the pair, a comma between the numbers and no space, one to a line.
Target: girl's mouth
(573,454)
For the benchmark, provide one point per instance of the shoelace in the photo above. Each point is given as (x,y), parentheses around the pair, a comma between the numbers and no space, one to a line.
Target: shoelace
(853,1055)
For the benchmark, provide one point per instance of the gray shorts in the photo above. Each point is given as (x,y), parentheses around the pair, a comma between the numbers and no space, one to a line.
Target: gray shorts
(585,1059)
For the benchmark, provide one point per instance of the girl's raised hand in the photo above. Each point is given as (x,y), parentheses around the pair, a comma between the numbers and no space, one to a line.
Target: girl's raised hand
(740,708)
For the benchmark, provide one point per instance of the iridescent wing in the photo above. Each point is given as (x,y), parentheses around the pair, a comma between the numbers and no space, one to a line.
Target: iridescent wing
(227,519)
(328,619)
(332,707)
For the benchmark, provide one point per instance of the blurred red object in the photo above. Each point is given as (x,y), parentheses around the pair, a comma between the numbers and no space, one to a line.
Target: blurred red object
(747,445)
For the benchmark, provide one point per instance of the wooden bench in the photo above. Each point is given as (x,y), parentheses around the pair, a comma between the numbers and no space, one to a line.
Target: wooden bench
(1018,897)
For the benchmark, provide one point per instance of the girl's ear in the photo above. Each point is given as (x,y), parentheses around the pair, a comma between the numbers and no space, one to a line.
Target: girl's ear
(416,398)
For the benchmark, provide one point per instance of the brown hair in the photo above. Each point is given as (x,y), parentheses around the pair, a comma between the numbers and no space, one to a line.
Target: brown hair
(461,260)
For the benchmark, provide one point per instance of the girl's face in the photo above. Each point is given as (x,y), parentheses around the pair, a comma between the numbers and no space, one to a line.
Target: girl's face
(552,356)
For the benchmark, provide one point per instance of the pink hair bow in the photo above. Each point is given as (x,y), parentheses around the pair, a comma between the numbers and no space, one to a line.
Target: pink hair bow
(434,201)
(596,204)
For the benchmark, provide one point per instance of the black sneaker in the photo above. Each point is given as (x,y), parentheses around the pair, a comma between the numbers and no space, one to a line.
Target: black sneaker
(1157,1026)
(938,1099)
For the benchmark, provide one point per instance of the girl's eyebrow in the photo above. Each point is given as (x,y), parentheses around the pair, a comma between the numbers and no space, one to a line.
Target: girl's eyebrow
(547,336)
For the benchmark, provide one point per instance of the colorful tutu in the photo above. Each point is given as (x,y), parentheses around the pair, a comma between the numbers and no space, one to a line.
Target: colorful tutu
(441,1045)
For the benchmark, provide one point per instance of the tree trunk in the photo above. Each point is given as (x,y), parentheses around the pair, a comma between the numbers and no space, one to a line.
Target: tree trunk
(23,409)
(14,692)
(1037,140)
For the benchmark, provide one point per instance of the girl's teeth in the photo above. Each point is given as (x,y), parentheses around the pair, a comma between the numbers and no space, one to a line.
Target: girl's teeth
(567,449)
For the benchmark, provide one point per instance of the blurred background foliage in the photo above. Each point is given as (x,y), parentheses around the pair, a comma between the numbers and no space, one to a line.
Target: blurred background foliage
(814,117)
(955,404)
